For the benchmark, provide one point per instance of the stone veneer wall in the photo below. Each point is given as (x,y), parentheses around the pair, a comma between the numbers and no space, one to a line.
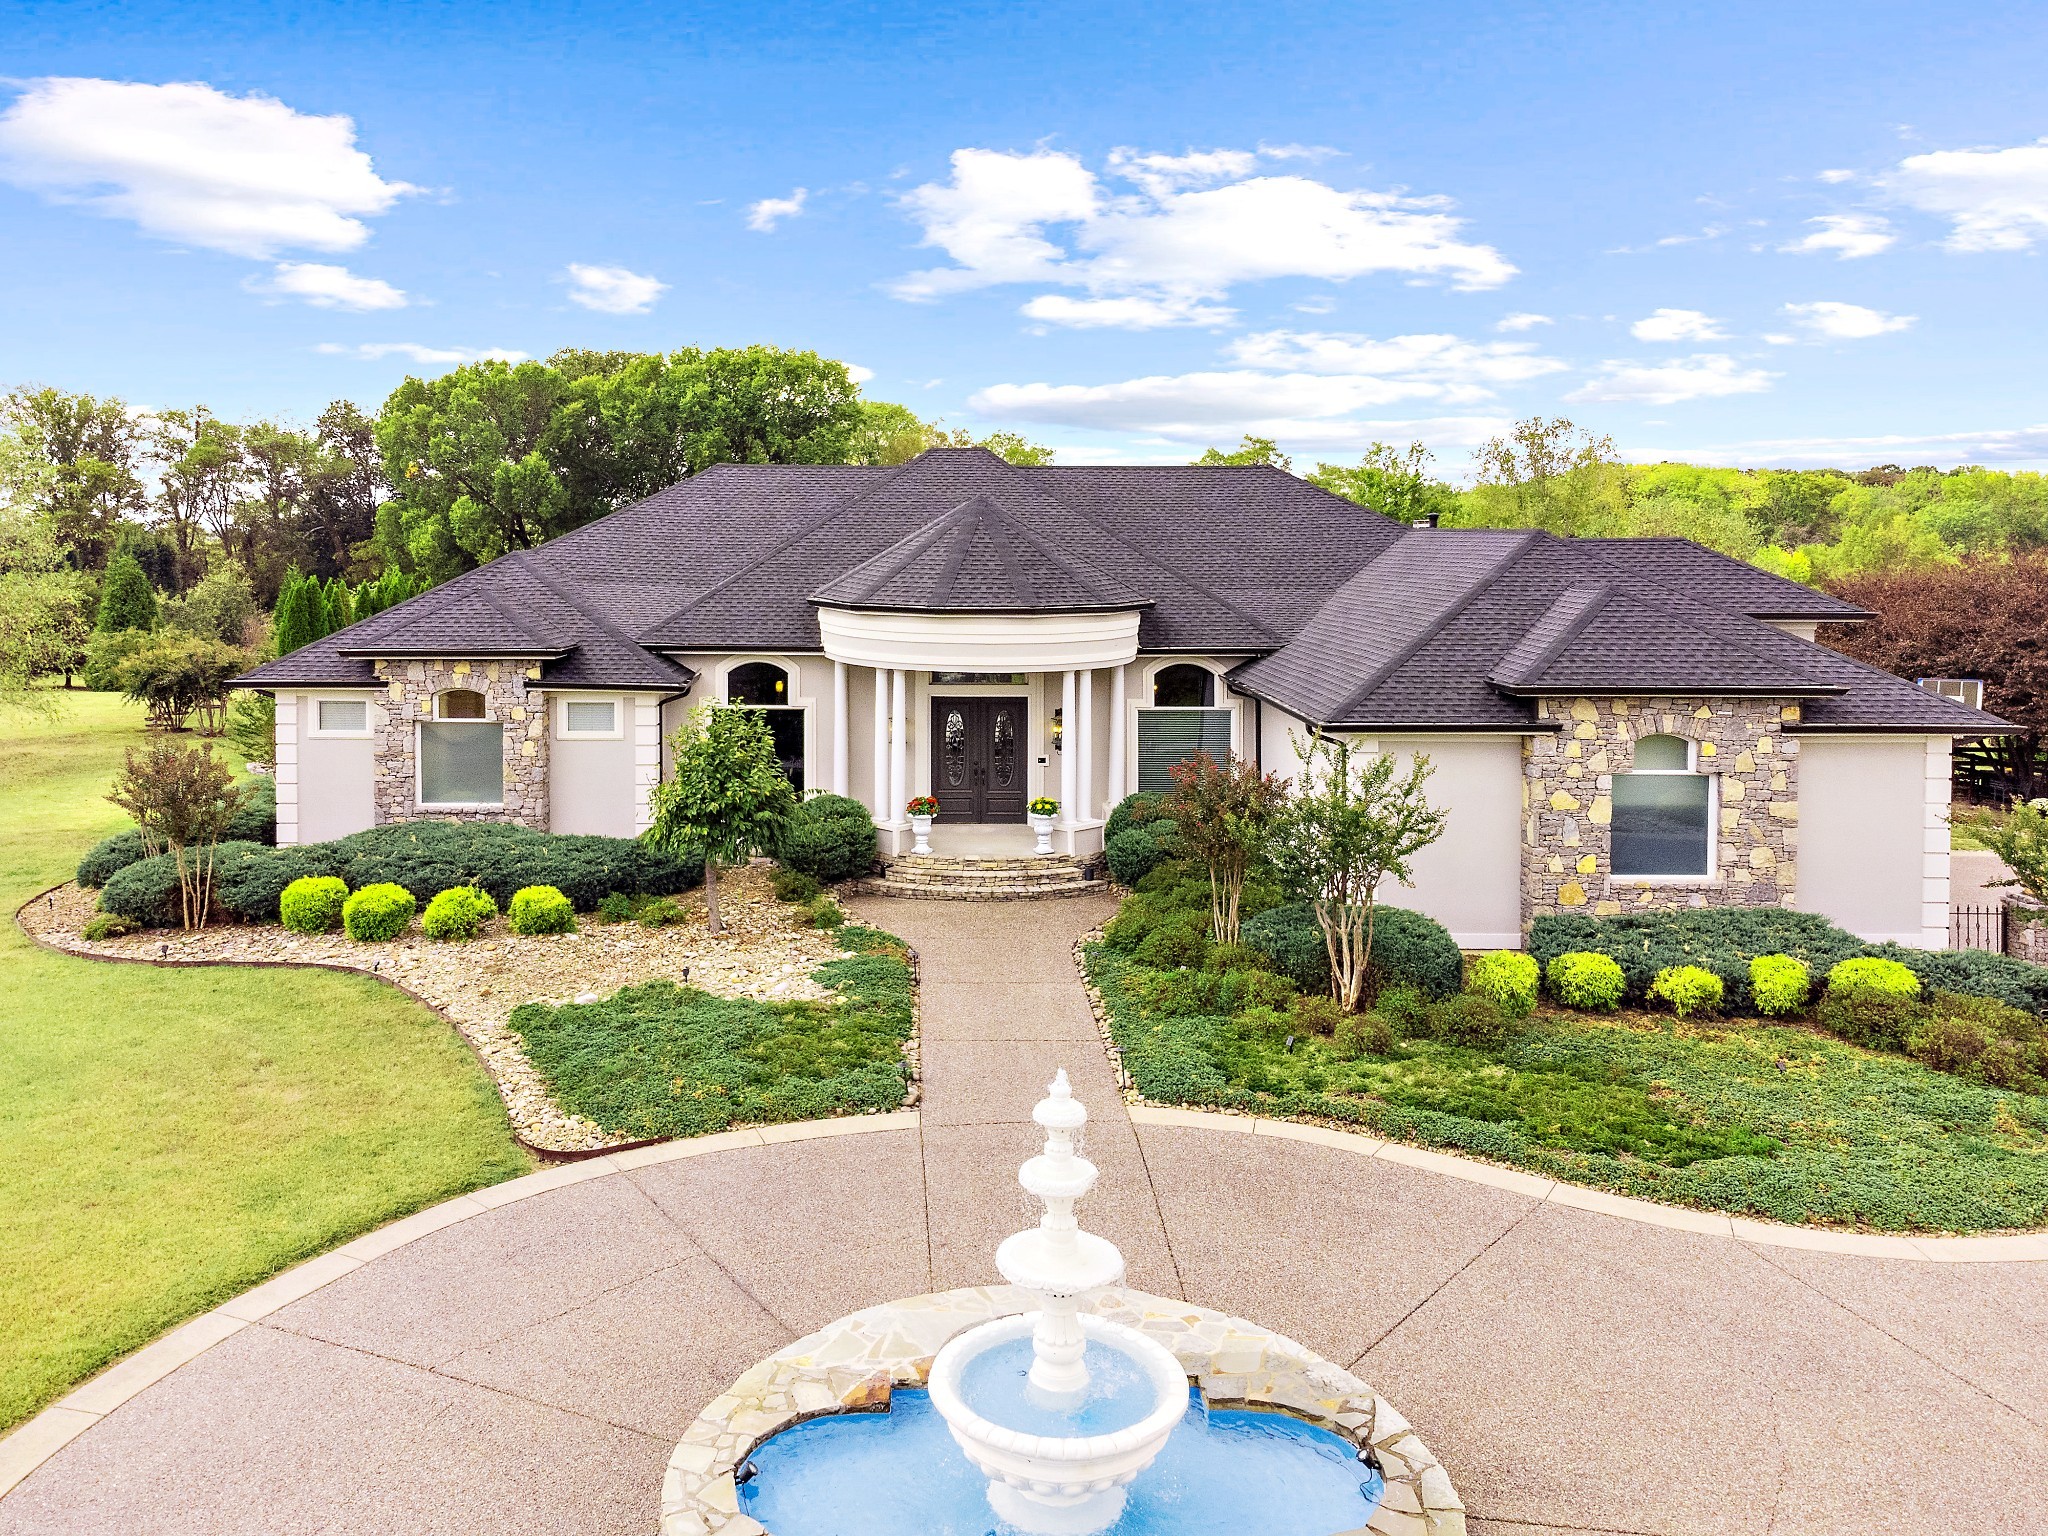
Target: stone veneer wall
(510,698)
(1567,804)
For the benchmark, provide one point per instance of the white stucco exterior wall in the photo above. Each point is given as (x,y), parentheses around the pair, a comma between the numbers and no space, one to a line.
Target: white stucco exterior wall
(324,780)
(591,780)
(1470,879)
(1873,836)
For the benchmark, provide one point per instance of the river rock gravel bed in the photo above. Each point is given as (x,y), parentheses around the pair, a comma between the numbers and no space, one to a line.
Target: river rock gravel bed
(764,954)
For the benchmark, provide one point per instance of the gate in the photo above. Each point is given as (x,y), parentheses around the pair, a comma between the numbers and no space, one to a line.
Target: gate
(1977,928)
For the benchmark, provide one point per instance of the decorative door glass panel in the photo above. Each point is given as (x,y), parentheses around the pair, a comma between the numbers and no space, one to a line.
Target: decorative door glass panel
(1003,771)
(954,758)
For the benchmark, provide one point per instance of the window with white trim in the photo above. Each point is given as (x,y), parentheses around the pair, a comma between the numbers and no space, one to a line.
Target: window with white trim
(588,718)
(341,717)
(1180,719)
(1663,821)
(461,754)
(764,686)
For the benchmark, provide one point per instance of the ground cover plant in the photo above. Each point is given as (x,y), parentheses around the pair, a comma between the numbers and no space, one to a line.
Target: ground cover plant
(1764,1118)
(660,1060)
(176,1136)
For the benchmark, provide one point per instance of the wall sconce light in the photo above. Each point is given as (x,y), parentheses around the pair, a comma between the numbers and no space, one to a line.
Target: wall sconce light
(1059,729)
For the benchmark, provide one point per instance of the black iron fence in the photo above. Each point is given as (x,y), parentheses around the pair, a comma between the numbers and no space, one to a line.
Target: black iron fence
(1977,928)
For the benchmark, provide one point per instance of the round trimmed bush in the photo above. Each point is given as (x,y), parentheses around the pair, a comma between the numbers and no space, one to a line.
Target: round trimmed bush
(378,912)
(1867,973)
(1135,853)
(540,909)
(1689,989)
(458,914)
(312,904)
(1508,979)
(108,858)
(1183,941)
(1469,1019)
(1131,811)
(1587,981)
(1779,985)
(830,838)
(1407,948)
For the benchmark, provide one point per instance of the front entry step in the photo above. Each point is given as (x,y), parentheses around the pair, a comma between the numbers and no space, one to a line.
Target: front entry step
(929,877)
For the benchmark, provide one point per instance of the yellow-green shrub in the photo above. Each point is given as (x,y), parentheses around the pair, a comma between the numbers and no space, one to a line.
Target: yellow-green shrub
(377,912)
(1585,980)
(458,914)
(1689,989)
(1508,979)
(312,904)
(540,909)
(1779,984)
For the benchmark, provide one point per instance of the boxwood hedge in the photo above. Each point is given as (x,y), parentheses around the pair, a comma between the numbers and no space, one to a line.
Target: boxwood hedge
(831,838)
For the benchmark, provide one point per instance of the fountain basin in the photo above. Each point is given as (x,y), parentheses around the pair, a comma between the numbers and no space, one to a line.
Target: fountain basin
(1058,1485)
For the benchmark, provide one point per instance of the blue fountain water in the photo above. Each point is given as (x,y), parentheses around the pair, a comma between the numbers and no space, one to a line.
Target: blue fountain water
(1223,1473)
(995,1385)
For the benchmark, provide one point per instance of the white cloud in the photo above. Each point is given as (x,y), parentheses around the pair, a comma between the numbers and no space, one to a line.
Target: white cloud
(1439,367)
(1192,227)
(612,290)
(376,351)
(1521,320)
(1677,325)
(1778,339)
(1994,199)
(1836,178)
(858,374)
(1703,376)
(1845,322)
(185,162)
(1998,445)
(770,211)
(1316,304)
(1845,235)
(1132,312)
(328,287)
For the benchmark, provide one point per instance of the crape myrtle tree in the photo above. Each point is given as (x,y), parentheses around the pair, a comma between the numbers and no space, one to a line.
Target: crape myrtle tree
(182,801)
(1350,824)
(1224,813)
(728,796)
(1981,618)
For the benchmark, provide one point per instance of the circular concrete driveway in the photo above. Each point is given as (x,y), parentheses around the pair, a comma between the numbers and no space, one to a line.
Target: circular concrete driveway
(528,1368)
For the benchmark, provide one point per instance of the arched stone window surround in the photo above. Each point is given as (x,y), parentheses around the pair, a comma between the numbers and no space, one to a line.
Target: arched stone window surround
(455,704)
(1699,752)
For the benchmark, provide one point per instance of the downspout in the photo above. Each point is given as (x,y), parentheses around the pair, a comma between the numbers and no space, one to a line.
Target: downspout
(1258,733)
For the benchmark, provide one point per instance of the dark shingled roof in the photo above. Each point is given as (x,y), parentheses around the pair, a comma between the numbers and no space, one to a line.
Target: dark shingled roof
(1350,618)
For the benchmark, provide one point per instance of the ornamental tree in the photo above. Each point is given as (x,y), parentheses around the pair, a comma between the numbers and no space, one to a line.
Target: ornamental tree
(182,801)
(1225,813)
(728,795)
(1348,826)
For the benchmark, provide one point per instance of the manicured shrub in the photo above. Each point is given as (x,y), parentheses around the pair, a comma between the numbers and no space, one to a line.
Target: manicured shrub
(1871,974)
(1261,1020)
(1178,994)
(794,885)
(1362,1034)
(1249,987)
(1469,1019)
(1135,853)
(1318,1014)
(1947,1042)
(106,925)
(540,909)
(312,904)
(1689,989)
(617,908)
(1980,1038)
(1131,811)
(1779,985)
(822,912)
(1134,920)
(1404,1010)
(1588,981)
(1508,979)
(109,857)
(1406,948)
(1973,973)
(146,893)
(378,912)
(1237,957)
(249,880)
(458,914)
(427,857)
(253,821)
(830,838)
(1183,941)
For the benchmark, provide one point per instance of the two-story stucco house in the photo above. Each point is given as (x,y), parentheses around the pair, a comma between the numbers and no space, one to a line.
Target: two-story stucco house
(1614,724)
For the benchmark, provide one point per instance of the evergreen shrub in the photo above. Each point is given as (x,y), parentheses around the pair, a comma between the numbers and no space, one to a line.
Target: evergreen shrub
(830,838)
(1406,948)
(1588,981)
(1689,989)
(1508,979)
(376,913)
(312,904)
(1134,853)
(1779,985)
(537,909)
(458,914)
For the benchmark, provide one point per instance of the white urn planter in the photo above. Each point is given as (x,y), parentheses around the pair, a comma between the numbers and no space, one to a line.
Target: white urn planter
(1041,828)
(921,830)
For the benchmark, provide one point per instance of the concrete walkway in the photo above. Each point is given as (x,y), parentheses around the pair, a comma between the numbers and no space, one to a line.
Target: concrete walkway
(528,1369)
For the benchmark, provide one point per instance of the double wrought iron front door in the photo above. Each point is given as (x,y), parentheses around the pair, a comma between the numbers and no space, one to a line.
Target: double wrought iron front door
(978,763)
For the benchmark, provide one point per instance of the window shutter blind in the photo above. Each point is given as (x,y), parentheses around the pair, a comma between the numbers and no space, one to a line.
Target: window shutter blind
(1169,736)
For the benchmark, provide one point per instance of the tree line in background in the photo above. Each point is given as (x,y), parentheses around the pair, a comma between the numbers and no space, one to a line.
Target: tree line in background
(163,552)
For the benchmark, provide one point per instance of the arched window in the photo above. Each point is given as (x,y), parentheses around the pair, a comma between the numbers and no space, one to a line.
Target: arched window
(1184,686)
(765,686)
(1180,719)
(1663,812)
(757,682)
(461,754)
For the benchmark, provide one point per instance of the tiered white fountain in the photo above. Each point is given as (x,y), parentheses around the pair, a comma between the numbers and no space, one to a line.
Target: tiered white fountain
(1058,1484)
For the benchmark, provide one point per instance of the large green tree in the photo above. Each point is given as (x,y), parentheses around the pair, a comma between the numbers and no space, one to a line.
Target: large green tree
(1394,482)
(93,449)
(45,614)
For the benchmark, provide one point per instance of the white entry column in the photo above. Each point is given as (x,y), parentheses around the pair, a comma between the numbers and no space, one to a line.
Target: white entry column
(880,792)
(841,728)
(1067,745)
(899,746)
(1084,765)
(1119,707)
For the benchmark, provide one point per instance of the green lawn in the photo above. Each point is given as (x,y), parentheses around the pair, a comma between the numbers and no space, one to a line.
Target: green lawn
(1741,1116)
(173,1137)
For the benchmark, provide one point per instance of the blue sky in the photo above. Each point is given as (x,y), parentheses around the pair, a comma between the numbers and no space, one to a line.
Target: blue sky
(1751,233)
